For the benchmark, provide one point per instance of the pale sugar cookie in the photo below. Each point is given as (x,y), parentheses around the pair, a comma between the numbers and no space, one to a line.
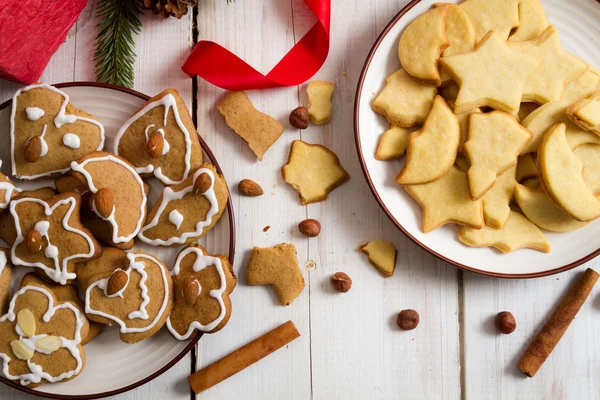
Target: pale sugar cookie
(532,20)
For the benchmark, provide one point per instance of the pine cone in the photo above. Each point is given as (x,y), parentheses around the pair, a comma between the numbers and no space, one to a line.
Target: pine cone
(166,8)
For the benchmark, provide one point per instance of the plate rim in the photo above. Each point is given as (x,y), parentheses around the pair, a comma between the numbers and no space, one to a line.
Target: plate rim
(197,336)
(363,165)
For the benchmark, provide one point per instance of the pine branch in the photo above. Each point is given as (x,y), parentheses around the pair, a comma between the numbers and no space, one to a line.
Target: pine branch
(119,23)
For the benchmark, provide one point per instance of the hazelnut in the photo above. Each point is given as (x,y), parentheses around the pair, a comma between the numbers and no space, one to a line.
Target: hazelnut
(505,322)
(310,227)
(408,319)
(299,118)
(341,282)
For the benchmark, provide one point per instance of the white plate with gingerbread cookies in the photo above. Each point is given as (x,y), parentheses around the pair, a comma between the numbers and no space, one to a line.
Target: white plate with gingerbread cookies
(476,124)
(118,239)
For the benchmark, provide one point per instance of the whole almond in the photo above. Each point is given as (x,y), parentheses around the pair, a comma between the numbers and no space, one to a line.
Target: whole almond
(191,290)
(202,183)
(116,282)
(249,188)
(33,148)
(104,202)
(26,322)
(21,351)
(310,227)
(33,241)
(49,343)
(155,145)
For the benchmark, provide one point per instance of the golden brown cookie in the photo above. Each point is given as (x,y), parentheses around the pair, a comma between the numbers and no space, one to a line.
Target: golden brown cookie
(276,266)
(202,285)
(41,337)
(49,236)
(319,95)
(382,255)
(258,129)
(8,190)
(47,132)
(5,276)
(160,139)
(133,290)
(185,212)
(118,195)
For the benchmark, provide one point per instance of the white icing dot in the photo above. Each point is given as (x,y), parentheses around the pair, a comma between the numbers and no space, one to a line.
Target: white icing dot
(34,113)
(42,227)
(71,140)
(176,218)
(51,251)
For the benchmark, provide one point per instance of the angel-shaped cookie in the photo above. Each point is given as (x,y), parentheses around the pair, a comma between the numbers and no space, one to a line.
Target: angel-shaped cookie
(160,139)
(185,212)
(133,290)
(47,132)
(49,237)
(203,284)
(40,337)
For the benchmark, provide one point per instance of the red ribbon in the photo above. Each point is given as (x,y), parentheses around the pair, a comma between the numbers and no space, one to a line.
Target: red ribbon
(222,68)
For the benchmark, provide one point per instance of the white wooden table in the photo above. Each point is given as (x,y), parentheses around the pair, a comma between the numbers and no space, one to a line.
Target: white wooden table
(350,346)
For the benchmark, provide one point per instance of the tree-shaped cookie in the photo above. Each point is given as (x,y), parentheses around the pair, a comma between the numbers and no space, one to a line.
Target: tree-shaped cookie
(500,16)
(133,290)
(49,236)
(493,74)
(276,266)
(47,132)
(41,337)
(185,212)
(118,197)
(494,142)
(202,285)
(160,139)
(313,170)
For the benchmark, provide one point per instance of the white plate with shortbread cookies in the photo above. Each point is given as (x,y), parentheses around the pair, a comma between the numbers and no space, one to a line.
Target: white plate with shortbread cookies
(114,366)
(476,131)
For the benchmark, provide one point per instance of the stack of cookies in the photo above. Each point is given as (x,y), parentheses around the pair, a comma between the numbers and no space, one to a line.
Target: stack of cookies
(78,236)
(500,125)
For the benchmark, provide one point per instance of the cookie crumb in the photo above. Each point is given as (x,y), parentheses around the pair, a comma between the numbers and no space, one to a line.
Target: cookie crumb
(310,265)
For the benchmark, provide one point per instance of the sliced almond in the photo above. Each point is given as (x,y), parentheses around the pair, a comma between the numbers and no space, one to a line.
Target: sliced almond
(21,351)
(104,202)
(202,183)
(116,282)
(26,322)
(49,343)
(191,290)
(155,145)
(34,241)
(33,149)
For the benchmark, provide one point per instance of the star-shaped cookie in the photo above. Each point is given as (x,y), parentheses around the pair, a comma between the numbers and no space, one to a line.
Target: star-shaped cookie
(457,205)
(494,75)
(558,67)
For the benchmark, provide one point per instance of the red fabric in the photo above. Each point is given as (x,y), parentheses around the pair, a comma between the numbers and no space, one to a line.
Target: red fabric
(222,68)
(30,33)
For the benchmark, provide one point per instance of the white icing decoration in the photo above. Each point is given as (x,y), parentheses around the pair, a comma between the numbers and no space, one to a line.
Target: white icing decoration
(141,313)
(169,195)
(9,189)
(71,140)
(34,113)
(111,218)
(36,372)
(202,261)
(166,146)
(176,218)
(3,261)
(168,101)
(61,118)
(60,272)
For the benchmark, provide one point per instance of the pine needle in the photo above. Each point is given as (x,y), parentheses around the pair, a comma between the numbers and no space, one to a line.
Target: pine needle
(119,24)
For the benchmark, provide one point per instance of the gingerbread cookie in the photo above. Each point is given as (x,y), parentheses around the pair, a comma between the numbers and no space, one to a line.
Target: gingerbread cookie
(276,266)
(49,236)
(134,290)
(5,276)
(118,196)
(185,212)
(41,337)
(8,190)
(47,132)
(202,284)
(160,139)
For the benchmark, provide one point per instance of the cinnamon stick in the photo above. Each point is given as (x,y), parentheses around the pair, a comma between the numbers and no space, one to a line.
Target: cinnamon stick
(543,344)
(243,357)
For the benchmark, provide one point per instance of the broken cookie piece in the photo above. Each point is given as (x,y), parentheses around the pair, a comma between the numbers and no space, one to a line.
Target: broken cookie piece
(382,255)
(258,129)
(276,266)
